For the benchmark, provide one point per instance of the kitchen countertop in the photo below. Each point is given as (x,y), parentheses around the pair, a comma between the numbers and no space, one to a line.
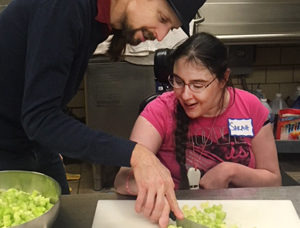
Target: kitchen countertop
(77,211)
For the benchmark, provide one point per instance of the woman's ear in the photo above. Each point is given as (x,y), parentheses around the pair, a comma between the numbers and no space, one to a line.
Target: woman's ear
(227,74)
(226,77)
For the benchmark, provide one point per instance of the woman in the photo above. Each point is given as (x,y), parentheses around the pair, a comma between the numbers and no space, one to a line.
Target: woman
(204,127)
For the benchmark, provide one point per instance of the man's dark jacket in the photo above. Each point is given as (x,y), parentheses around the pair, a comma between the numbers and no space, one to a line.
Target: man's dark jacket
(45,46)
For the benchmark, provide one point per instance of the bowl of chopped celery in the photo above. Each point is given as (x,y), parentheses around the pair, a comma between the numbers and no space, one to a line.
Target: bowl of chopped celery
(28,199)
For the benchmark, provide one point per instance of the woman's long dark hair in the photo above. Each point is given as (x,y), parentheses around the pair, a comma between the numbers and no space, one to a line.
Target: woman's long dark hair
(206,49)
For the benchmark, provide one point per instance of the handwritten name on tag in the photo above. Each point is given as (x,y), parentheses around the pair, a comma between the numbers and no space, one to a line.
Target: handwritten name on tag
(240,127)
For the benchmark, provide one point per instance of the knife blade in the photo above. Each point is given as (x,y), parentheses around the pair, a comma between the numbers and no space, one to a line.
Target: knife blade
(186,223)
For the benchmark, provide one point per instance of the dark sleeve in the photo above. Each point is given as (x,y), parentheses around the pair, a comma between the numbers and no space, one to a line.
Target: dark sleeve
(54,34)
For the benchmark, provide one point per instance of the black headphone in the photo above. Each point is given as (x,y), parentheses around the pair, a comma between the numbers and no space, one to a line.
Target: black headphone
(162,64)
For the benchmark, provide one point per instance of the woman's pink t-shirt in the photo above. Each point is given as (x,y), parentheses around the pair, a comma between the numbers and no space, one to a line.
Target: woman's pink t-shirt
(210,140)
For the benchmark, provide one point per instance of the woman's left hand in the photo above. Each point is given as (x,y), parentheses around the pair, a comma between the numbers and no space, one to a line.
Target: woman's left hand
(217,177)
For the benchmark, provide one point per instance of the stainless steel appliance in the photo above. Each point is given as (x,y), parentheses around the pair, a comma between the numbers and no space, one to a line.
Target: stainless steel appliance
(114,91)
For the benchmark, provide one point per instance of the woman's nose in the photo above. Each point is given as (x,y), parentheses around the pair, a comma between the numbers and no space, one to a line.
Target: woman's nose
(186,92)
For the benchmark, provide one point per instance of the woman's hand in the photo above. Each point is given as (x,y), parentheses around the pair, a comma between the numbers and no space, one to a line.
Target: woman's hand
(217,177)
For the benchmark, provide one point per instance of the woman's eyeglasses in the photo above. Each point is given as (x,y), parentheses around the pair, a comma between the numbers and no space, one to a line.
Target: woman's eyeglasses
(196,87)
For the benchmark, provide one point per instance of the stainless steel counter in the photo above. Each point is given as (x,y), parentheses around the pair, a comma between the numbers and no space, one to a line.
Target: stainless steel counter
(251,21)
(77,211)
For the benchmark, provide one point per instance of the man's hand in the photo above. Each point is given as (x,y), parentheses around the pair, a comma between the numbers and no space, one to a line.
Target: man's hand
(154,184)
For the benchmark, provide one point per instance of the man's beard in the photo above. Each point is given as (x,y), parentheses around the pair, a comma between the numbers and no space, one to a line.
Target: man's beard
(125,36)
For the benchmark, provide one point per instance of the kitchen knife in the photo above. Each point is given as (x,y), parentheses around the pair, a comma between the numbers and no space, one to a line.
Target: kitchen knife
(186,223)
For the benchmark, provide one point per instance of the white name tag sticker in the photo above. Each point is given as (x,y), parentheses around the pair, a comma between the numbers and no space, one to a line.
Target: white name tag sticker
(240,127)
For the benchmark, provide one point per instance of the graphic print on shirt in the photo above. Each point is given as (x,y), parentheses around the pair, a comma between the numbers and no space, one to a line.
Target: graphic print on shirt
(211,147)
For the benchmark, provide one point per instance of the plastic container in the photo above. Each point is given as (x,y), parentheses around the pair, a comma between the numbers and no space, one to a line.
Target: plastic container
(296,99)
(296,94)
(296,104)
(277,104)
(259,93)
(265,103)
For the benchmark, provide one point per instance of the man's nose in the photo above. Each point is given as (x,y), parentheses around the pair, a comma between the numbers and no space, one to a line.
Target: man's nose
(162,31)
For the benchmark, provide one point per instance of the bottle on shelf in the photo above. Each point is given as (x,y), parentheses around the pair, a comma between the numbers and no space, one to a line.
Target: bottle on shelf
(265,103)
(259,93)
(277,104)
(296,99)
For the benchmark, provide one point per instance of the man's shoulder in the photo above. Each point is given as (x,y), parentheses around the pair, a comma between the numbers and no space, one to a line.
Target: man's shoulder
(65,3)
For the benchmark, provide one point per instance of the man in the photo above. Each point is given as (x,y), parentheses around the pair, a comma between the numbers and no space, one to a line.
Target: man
(45,46)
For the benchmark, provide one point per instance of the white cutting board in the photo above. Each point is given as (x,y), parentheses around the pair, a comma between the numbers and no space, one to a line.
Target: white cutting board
(244,213)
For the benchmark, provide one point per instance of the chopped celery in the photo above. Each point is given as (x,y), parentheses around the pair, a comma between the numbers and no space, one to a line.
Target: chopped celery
(17,207)
(210,216)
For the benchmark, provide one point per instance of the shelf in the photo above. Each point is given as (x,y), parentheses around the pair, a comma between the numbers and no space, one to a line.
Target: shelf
(284,146)
(251,21)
